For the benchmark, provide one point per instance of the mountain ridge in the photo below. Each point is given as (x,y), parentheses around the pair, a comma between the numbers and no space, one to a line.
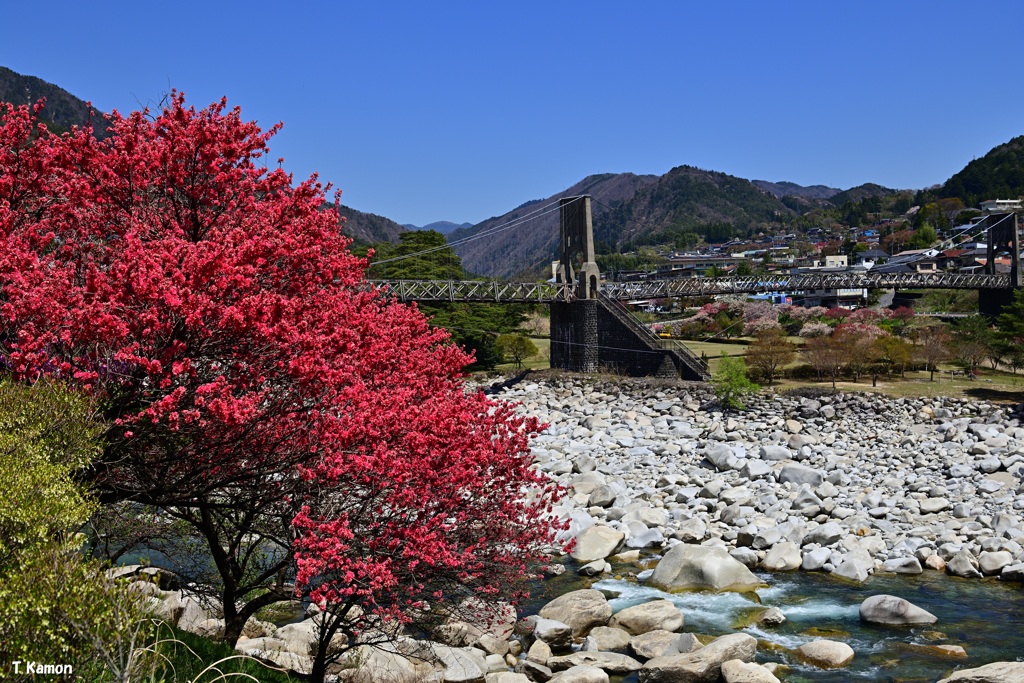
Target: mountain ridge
(677,209)
(61,111)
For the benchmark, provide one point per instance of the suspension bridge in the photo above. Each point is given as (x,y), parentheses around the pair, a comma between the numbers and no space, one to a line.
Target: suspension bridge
(591,327)
(500,291)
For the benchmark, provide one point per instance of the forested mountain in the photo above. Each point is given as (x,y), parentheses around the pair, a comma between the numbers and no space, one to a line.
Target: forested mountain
(369,227)
(679,208)
(689,203)
(997,175)
(443,227)
(528,247)
(787,189)
(62,109)
(860,193)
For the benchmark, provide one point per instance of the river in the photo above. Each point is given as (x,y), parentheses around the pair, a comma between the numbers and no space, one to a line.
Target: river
(985,617)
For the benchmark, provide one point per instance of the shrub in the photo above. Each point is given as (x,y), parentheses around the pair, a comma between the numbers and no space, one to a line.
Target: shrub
(56,607)
(516,348)
(732,384)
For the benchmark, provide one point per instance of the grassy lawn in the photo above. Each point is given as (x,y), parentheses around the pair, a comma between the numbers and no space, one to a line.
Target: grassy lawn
(713,351)
(991,385)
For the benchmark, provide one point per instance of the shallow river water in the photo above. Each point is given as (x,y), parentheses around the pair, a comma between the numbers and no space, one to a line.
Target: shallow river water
(985,617)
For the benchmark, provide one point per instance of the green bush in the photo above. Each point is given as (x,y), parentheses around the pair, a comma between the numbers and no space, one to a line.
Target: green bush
(56,607)
(732,384)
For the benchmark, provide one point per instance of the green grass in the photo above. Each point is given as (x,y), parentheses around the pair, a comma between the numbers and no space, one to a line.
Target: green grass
(188,658)
(992,385)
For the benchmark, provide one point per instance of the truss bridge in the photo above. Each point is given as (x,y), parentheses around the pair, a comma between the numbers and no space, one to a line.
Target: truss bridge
(497,291)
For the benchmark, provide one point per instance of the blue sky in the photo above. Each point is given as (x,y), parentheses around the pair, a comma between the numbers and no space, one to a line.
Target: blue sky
(463,110)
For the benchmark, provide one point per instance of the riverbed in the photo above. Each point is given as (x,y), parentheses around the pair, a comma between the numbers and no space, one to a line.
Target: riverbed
(982,616)
(847,487)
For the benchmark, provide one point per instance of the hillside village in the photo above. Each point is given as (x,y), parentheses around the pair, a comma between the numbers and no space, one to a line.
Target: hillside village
(961,248)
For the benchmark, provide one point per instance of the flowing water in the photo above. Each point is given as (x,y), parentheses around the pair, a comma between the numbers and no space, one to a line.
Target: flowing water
(985,617)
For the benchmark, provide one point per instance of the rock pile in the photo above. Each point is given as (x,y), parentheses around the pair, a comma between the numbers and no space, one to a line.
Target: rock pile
(844,483)
(847,483)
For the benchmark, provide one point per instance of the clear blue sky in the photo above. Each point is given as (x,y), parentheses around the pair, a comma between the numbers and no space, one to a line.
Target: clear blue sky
(425,111)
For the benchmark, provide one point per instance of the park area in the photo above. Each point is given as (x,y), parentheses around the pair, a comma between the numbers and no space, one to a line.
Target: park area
(894,352)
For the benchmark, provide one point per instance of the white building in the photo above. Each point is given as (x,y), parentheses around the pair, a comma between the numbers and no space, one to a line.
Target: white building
(1001,205)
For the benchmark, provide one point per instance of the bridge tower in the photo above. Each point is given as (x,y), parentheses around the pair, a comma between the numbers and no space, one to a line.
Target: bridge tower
(1003,234)
(574,323)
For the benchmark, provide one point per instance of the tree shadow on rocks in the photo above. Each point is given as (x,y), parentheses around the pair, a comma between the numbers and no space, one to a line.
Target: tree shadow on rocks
(996,395)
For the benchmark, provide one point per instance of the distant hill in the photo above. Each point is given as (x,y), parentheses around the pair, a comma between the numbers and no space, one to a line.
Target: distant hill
(369,227)
(62,109)
(859,193)
(528,248)
(997,175)
(628,210)
(691,200)
(787,189)
(443,227)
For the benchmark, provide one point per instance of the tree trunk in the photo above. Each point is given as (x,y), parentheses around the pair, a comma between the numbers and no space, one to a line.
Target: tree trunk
(234,623)
(324,636)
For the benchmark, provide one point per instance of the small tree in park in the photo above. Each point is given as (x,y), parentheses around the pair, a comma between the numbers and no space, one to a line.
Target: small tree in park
(893,352)
(517,348)
(825,355)
(972,341)
(931,346)
(248,375)
(856,342)
(770,352)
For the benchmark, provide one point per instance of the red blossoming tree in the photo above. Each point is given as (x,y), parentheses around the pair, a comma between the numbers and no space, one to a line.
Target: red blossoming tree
(255,387)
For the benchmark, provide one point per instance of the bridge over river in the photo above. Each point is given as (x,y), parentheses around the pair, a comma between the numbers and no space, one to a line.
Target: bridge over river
(591,327)
(546,292)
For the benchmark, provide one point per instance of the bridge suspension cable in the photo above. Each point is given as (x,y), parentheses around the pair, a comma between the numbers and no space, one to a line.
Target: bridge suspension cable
(533,215)
(980,232)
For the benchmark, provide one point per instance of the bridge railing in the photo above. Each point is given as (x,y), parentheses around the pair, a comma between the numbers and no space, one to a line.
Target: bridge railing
(547,292)
(497,291)
(801,282)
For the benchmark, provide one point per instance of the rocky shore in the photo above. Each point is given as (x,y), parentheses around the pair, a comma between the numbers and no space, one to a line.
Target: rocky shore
(842,483)
(675,494)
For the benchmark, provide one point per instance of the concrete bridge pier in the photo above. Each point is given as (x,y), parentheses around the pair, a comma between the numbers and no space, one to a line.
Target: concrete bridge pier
(574,335)
(589,330)
(991,302)
(574,328)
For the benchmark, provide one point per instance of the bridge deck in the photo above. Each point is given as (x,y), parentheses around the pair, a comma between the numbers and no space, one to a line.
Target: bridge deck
(534,292)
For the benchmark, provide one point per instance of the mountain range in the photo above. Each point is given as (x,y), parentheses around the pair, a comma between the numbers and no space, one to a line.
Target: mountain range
(443,227)
(678,208)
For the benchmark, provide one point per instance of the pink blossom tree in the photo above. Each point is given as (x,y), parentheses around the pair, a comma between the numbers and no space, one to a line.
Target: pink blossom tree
(254,386)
